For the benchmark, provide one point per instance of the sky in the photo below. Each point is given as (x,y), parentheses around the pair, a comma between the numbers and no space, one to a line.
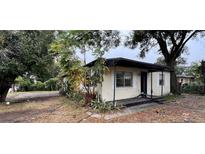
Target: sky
(196,53)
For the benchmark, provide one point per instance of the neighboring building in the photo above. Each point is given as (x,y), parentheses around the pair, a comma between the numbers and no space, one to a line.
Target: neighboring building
(185,79)
(129,78)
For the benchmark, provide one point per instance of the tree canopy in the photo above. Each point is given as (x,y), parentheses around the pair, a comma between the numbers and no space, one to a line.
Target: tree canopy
(170,43)
(68,43)
(23,52)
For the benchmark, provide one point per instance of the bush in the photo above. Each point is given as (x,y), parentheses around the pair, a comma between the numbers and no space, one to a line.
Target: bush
(38,86)
(101,106)
(76,96)
(24,84)
(195,88)
(52,84)
(89,98)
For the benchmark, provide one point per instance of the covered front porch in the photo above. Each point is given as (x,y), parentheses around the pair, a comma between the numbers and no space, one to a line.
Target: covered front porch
(147,83)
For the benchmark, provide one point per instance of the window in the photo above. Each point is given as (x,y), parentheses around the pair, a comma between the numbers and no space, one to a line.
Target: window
(120,79)
(161,79)
(123,79)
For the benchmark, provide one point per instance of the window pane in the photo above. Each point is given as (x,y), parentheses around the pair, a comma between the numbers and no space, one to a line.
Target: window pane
(119,74)
(120,83)
(128,79)
(128,75)
(128,83)
(119,79)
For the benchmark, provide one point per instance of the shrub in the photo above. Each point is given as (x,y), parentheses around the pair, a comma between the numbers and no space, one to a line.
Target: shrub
(195,88)
(24,84)
(38,86)
(52,84)
(89,98)
(76,96)
(101,106)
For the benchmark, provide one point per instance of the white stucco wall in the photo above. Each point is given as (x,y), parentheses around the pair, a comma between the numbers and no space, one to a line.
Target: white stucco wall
(106,91)
(155,83)
(120,92)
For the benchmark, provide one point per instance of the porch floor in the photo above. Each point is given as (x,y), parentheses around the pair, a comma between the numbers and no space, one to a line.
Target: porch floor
(139,100)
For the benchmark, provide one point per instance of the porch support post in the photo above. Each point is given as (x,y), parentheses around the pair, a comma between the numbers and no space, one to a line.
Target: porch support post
(114,103)
(162,85)
(151,85)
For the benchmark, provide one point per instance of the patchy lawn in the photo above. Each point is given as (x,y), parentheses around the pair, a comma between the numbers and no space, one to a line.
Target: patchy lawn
(188,108)
(56,109)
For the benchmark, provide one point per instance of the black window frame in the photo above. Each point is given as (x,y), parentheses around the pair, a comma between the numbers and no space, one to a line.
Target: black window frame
(123,78)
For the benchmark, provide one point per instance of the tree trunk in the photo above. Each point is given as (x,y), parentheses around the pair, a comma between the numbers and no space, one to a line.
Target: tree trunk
(173,79)
(173,82)
(4,88)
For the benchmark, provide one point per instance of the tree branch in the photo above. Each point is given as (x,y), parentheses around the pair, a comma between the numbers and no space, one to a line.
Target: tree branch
(182,44)
(172,39)
(196,31)
(173,42)
(175,53)
(163,46)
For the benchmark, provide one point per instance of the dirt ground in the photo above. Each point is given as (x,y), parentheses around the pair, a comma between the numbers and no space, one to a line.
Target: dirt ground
(188,108)
(55,109)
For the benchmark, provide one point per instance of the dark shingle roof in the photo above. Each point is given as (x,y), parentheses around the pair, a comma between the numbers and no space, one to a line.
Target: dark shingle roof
(131,63)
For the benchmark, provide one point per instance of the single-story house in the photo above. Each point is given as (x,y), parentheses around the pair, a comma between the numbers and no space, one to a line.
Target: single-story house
(185,79)
(129,78)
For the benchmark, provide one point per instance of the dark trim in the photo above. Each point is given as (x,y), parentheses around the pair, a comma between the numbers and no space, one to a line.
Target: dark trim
(144,82)
(123,62)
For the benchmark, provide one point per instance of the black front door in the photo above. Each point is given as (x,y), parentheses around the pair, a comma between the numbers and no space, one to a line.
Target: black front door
(144,82)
